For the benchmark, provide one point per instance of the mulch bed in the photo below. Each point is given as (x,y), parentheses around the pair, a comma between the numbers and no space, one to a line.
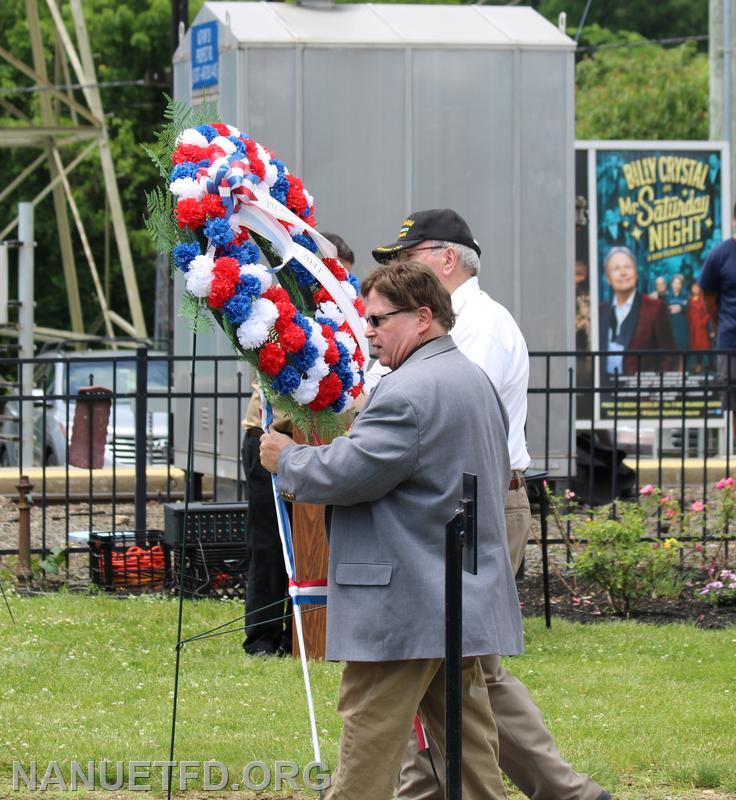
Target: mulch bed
(592,607)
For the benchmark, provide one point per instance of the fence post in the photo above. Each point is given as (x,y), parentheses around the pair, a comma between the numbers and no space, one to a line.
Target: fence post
(24,573)
(141,435)
(25,327)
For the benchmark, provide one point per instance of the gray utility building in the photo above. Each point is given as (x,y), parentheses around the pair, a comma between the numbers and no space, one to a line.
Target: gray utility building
(388,109)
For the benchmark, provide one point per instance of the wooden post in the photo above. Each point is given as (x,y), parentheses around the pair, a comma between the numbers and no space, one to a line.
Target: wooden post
(310,556)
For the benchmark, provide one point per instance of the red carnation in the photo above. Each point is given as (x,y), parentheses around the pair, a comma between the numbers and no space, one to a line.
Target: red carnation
(328,333)
(330,388)
(322,296)
(226,274)
(221,128)
(287,312)
(276,295)
(336,268)
(189,152)
(241,237)
(214,151)
(256,165)
(190,213)
(271,359)
(212,205)
(309,219)
(359,306)
(332,354)
(356,390)
(295,199)
(291,337)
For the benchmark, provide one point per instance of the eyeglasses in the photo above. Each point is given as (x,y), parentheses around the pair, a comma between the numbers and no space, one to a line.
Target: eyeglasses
(375,320)
(406,255)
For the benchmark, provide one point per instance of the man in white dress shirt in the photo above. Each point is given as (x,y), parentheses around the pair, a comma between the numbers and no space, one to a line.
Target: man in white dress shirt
(488,335)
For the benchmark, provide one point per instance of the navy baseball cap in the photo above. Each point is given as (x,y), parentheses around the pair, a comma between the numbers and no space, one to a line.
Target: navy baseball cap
(435,224)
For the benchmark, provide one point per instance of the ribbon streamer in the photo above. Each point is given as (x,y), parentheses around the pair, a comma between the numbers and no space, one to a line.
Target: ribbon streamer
(300,598)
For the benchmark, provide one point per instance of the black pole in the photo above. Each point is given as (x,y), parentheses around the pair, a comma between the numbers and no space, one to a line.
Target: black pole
(141,436)
(460,532)
(453,655)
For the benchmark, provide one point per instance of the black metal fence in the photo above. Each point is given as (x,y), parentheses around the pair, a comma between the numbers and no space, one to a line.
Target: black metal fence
(602,434)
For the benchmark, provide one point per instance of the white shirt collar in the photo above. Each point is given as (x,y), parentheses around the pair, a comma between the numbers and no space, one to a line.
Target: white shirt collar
(463,293)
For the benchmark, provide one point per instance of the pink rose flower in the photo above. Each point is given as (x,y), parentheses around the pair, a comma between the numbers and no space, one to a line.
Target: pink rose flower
(698,505)
(724,483)
(646,490)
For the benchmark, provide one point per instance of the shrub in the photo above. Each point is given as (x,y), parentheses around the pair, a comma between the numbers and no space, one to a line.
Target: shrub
(627,569)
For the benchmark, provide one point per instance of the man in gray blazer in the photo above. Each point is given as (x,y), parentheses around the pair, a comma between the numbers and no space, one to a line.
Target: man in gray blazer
(395,481)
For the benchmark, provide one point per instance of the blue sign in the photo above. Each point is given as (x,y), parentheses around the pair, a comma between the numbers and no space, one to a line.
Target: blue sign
(204,55)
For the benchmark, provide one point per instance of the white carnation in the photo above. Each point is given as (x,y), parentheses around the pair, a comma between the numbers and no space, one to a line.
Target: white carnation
(347,341)
(264,310)
(233,130)
(192,136)
(272,174)
(200,275)
(260,272)
(318,371)
(252,334)
(224,144)
(306,391)
(317,337)
(331,311)
(184,188)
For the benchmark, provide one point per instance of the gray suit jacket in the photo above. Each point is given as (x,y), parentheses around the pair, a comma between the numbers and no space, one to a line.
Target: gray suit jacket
(395,481)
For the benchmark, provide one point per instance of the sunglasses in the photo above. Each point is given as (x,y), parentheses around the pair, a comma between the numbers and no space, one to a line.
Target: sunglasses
(375,320)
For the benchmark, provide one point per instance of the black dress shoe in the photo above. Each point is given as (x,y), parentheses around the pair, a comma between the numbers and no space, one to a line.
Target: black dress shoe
(604,795)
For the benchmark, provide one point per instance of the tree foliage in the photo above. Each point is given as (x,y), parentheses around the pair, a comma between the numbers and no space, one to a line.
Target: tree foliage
(642,91)
(130,42)
(663,19)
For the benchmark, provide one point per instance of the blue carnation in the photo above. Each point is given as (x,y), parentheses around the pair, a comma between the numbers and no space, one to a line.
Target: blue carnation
(207,131)
(250,285)
(237,309)
(245,253)
(218,231)
(327,321)
(280,187)
(305,241)
(187,169)
(339,404)
(287,380)
(239,146)
(303,276)
(306,358)
(354,282)
(184,253)
(342,368)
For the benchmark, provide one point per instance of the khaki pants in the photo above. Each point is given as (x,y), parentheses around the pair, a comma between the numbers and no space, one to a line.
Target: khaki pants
(378,702)
(527,752)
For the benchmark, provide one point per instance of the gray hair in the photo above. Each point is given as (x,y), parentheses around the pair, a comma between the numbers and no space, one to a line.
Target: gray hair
(614,251)
(468,258)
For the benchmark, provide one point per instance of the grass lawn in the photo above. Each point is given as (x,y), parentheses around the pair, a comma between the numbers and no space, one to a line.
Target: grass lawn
(649,711)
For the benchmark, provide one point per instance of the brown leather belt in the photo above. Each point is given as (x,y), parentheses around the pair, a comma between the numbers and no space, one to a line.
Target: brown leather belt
(516,483)
(254,433)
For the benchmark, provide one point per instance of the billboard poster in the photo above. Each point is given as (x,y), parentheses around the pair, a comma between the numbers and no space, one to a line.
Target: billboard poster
(656,212)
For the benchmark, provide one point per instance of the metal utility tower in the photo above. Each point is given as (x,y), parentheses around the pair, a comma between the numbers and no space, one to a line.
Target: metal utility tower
(64,121)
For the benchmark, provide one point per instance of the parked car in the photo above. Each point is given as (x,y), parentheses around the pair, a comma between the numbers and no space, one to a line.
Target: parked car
(57,381)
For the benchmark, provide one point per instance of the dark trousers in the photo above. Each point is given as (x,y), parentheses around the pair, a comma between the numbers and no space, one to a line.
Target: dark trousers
(267,628)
